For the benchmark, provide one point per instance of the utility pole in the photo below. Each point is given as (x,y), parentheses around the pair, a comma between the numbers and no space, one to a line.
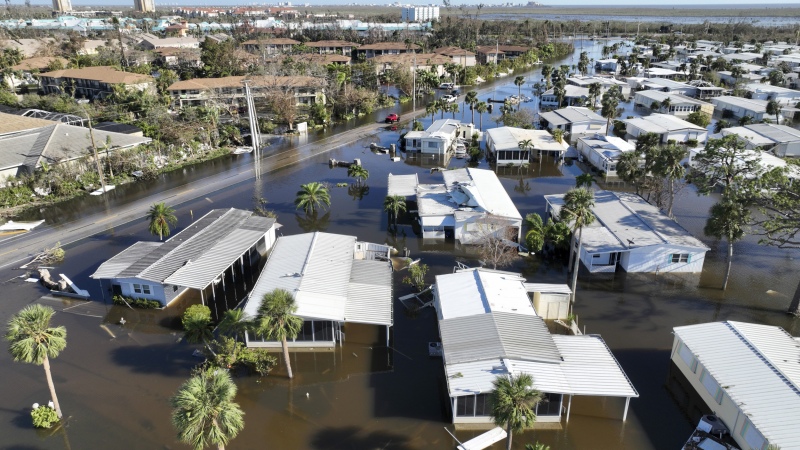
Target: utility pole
(253,118)
(94,151)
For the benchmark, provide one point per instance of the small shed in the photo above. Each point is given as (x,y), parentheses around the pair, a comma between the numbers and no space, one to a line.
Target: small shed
(551,301)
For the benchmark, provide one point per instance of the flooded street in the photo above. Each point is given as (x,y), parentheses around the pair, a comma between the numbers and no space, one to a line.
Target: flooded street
(114,382)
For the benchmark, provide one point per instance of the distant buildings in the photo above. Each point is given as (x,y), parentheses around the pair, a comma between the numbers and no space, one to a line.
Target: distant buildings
(92,82)
(198,91)
(419,13)
(144,5)
(62,5)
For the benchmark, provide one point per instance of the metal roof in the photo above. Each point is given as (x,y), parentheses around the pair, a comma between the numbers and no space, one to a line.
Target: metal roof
(547,288)
(480,291)
(492,198)
(195,256)
(433,200)
(758,366)
(572,114)
(755,106)
(662,123)
(675,99)
(591,369)
(403,185)
(319,269)
(774,133)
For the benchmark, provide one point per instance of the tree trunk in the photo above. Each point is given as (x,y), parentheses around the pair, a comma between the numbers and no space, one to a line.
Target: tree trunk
(671,197)
(794,308)
(577,266)
(286,357)
(51,386)
(728,271)
(571,253)
(508,431)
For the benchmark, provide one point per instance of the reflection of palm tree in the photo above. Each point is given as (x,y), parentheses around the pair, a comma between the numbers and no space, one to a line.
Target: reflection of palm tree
(312,196)
(514,403)
(161,218)
(32,340)
(522,187)
(310,222)
(276,320)
(357,191)
(358,172)
(204,411)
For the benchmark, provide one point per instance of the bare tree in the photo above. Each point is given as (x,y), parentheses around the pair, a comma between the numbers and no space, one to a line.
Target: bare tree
(495,242)
(284,104)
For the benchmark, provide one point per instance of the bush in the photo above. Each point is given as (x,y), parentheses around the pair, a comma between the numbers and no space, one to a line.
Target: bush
(232,354)
(199,313)
(44,417)
(691,143)
(141,303)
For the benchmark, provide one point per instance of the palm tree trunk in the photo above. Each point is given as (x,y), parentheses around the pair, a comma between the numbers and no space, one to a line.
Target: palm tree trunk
(286,357)
(671,196)
(473,112)
(51,386)
(576,266)
(794,308)
(728,271)
(508,431)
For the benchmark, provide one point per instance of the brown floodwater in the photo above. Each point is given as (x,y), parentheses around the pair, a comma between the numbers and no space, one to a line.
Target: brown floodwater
(114,381)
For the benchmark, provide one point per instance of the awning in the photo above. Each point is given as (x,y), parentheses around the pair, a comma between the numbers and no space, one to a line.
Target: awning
(438,221)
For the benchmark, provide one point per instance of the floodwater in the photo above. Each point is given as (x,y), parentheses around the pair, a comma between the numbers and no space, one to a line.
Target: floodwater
(651,22)
(114,381)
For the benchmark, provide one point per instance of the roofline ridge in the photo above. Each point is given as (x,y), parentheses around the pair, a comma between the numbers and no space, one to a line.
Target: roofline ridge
(741,335)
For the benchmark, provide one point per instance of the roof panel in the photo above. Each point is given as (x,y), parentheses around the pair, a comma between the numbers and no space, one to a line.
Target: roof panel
(369,297)
(403,185)
(122,260)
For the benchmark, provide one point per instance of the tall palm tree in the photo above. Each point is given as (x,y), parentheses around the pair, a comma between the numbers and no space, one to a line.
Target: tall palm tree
(161,218)
(547,74)
(32,340)
(358,172)
(453,108)
(668,165)
(472,100)
(577,211)
(204,411)
(431,109)
(665,104)
(526,144)
(584,180)
(594,91)
(727,220)
(774,107)
(276,320)
(312,196)
(393,204)
(519,81)
(610,104)
(481,107)
(514,403)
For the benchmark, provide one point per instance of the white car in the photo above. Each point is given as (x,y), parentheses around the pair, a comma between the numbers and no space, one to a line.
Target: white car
(449,98)
(447,86)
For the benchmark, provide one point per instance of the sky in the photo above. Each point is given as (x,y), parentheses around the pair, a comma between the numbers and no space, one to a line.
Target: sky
(639,3)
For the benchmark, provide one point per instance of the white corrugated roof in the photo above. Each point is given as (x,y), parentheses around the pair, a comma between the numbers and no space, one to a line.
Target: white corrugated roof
(478,291)
(748,104)
(591,369)
(495,199)
(124,259)
(759,368)
(317,268)
(403,185)
(508,138)
(547,288)
(662,123)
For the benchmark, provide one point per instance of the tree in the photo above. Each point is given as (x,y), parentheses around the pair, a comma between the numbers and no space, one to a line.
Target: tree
(514,403)
(358,172)
(534,237)
(745,120)
(577,211)
(33,341)
(196,321)
(699,118)
(472,100)
(728,220)
(161,218)
(665,105)
(547,74)
(494,242)
(276,320)
(519,81)
(610,104)
(774,108)
(284,105)
(594,91)
(668,165)
(584,180)
(583,63)
(312,197)
(481,107)
(725,163)
(393,204)
(219,58)
(204,411)
(234,323)
(721,125)
(558,135)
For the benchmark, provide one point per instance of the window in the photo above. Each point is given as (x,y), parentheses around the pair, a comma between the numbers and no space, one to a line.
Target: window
(679,258)
(474,405)
(137,288)
(688,357)
(549,406)
(752,436)
(174,288)
(711,386)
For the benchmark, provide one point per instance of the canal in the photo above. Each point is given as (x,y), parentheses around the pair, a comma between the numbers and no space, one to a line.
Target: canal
(114,381)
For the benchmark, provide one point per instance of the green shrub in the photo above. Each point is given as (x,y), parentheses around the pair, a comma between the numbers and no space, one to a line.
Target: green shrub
(232,354)
(141,303)
(44,417)
(198,313)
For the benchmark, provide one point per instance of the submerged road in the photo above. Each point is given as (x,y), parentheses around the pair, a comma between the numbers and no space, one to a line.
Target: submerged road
(18,249)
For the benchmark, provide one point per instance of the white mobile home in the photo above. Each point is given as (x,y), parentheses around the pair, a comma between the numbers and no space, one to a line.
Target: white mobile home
(781,140)
(469,205)
(439,138)
(219,246)
(782,95)
(506,145)
(667,127)
(335,279)
(576,122)
(489,329)
(633,235)
(675,104)
(747,375)
(739,107)
(603,152)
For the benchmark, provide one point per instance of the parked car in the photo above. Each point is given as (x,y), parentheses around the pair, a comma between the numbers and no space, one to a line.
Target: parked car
(455,92)
(392,118)
(449,98)
(447,86)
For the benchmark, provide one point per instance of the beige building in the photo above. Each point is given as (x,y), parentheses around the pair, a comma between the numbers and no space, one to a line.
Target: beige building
(62,5)
(92,82)
(457,55)
(143,5)
(198,91)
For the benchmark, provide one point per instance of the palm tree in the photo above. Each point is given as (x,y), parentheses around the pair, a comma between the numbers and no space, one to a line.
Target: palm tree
(665,104)
(584,180)
(594,91)
(161,218)
(32,340)
(558,135)
(560,92)
(453,108)
(534,237)
(526,144)
(312,196)
(610,103)
(204,411)
(547,74)
(234,323)
(431,109)
(519,81)
(393,204)
(276,320)
(721,125)
(577,211)
(668,165)
(481,107)
(774,107)
(727,220)
(358,172)
(514,401)
(472,100)
(745,120)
